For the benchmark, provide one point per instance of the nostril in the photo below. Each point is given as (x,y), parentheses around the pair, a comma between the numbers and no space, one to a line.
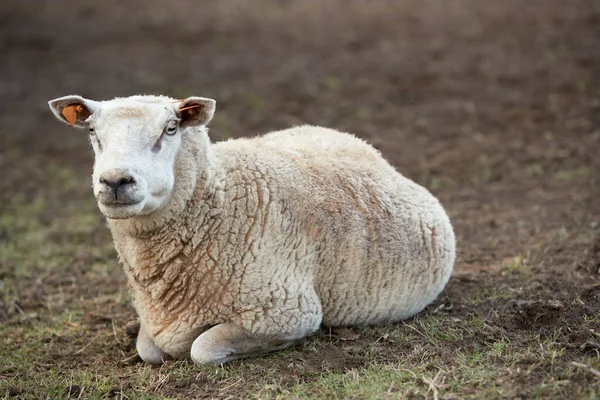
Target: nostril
(118,182)
(125,180)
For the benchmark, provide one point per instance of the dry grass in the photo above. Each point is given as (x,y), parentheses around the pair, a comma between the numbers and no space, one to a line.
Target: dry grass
(492,105)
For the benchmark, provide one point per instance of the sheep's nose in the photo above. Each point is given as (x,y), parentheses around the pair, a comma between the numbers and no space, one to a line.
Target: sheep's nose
(116,179)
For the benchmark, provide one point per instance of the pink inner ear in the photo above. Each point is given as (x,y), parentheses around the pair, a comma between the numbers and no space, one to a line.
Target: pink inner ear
(189,107)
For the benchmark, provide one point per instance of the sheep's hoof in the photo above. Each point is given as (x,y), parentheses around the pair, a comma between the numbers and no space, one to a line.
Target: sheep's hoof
(132,328)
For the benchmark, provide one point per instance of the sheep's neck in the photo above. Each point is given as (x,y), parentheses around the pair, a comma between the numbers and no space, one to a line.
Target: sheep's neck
(170,266)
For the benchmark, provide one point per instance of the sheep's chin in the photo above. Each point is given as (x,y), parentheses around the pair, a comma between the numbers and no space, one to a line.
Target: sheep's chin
(121,211)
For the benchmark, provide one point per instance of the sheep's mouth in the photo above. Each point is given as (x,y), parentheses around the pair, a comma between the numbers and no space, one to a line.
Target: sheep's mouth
(120,203)
(118,199)
(121,210)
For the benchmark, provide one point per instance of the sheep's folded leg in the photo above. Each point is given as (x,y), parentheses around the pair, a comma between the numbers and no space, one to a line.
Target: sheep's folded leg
(226,342)
(147,350)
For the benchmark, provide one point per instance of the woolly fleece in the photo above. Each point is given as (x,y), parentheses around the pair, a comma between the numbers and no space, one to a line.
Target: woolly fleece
(266,239)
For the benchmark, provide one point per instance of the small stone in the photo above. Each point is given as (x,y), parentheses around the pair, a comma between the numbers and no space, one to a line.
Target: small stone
(555,304)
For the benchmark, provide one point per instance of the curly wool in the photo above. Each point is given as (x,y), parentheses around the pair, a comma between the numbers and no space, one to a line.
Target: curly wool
(280,234)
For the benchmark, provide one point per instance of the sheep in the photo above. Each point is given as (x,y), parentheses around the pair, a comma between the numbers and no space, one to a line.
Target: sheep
(241,247)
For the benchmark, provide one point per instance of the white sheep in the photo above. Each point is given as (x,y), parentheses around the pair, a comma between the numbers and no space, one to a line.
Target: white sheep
(240,247)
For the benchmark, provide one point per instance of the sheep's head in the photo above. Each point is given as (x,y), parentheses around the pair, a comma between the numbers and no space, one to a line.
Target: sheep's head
(136,140)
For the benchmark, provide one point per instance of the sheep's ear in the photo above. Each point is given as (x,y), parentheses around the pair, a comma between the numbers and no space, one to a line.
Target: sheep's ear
(73,110)
(195,111)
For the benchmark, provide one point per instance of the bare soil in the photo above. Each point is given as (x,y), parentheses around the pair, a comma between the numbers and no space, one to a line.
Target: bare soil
(492,105)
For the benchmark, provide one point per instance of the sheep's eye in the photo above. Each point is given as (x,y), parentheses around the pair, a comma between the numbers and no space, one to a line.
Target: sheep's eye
(92,131)
(171,128)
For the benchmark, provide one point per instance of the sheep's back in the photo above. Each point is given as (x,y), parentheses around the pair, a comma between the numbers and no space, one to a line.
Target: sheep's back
(383,245)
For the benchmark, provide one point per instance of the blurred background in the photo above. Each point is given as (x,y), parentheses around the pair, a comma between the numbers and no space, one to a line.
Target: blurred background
(492,105)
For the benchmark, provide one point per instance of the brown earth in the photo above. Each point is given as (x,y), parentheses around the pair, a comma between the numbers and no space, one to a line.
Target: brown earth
(492,105)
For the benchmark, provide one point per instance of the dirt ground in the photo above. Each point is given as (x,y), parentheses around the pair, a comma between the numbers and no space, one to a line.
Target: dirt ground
(492,105)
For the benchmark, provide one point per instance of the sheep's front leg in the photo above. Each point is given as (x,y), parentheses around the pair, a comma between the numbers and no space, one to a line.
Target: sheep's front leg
(226,342)
(147,350)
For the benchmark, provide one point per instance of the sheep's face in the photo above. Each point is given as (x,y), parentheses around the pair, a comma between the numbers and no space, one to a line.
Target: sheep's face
(136,141)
